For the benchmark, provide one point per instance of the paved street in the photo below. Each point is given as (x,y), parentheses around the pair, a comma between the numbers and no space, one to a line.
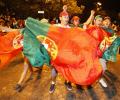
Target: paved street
(37,88)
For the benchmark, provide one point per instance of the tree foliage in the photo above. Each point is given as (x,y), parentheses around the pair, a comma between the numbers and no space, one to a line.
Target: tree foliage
(52,8)
(73,8)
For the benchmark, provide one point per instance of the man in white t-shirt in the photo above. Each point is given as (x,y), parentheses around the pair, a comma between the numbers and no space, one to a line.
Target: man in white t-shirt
(64,19)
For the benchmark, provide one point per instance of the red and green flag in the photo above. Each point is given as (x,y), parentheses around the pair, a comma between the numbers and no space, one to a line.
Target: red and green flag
(73,51)
(7,47)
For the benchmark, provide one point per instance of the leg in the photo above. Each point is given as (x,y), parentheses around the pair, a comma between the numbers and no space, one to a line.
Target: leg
(103,63)
(26,66)
(53,77)
(30,68)
(39,71)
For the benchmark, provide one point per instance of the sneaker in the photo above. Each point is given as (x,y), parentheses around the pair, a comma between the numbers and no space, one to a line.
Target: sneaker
(103,83)
(68,86)
(18,87)
(89,87)
(52,88)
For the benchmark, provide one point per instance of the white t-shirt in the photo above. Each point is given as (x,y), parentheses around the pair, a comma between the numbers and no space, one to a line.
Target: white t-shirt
(60,25)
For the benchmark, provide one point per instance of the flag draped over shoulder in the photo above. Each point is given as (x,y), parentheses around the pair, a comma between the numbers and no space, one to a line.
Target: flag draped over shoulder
(111,53)
(75,51)
(97,33)
(7,51)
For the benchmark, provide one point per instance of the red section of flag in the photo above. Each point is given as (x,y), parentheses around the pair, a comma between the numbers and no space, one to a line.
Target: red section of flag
(97,33)
(77,58)
(7,51)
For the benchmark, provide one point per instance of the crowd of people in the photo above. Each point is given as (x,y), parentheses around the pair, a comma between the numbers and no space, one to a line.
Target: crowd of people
(99,21)
(15,23)
(100,27)
(11,22)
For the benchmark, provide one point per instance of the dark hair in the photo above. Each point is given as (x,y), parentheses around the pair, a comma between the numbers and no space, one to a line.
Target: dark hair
(107,17)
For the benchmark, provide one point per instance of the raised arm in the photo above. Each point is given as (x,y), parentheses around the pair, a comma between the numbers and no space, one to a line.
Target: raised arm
(89,20)
(91,17)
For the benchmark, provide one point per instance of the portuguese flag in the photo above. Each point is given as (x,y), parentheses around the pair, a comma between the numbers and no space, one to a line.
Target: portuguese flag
(14,42)
(73,51)
(97,33)
(7,50)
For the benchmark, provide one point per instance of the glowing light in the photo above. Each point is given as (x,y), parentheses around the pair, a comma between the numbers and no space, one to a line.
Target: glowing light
(99,3)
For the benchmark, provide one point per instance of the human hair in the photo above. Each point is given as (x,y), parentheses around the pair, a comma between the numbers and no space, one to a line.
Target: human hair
(98,16)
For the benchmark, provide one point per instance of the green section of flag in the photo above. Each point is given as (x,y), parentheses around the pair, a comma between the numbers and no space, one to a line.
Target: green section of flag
(111,53)
(32,48)
(36,27)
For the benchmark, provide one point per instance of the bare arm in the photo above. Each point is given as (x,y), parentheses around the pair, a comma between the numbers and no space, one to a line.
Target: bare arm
(91,17)
(89,20)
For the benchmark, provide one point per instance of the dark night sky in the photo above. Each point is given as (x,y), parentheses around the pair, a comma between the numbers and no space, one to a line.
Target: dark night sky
(107,4)
(112,7)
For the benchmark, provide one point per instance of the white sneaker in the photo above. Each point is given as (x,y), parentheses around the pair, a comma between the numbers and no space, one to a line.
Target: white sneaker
(103,83)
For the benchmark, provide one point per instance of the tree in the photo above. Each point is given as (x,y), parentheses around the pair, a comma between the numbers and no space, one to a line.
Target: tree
(73,7)
(55,7)
(52,8)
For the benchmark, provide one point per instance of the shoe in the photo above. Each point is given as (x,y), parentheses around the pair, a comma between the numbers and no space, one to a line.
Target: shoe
(68,86)
(89,87)
(79,88)
(18,87)
(52,88)
(103,83)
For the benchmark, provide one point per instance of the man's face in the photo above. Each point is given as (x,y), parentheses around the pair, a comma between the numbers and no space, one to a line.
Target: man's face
(76,22)
(64,19)
(98,22)
(106,23)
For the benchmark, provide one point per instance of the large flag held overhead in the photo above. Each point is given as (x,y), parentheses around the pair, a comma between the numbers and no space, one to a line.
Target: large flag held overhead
(73,51)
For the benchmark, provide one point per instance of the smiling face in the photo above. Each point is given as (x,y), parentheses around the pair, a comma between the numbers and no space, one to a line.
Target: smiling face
(106,23)
(75,21)
(64,19)
(98,21)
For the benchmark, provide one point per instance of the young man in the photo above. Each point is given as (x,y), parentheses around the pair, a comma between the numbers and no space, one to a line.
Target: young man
(76,21)
(106,25)
(97,32)
(64,19)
